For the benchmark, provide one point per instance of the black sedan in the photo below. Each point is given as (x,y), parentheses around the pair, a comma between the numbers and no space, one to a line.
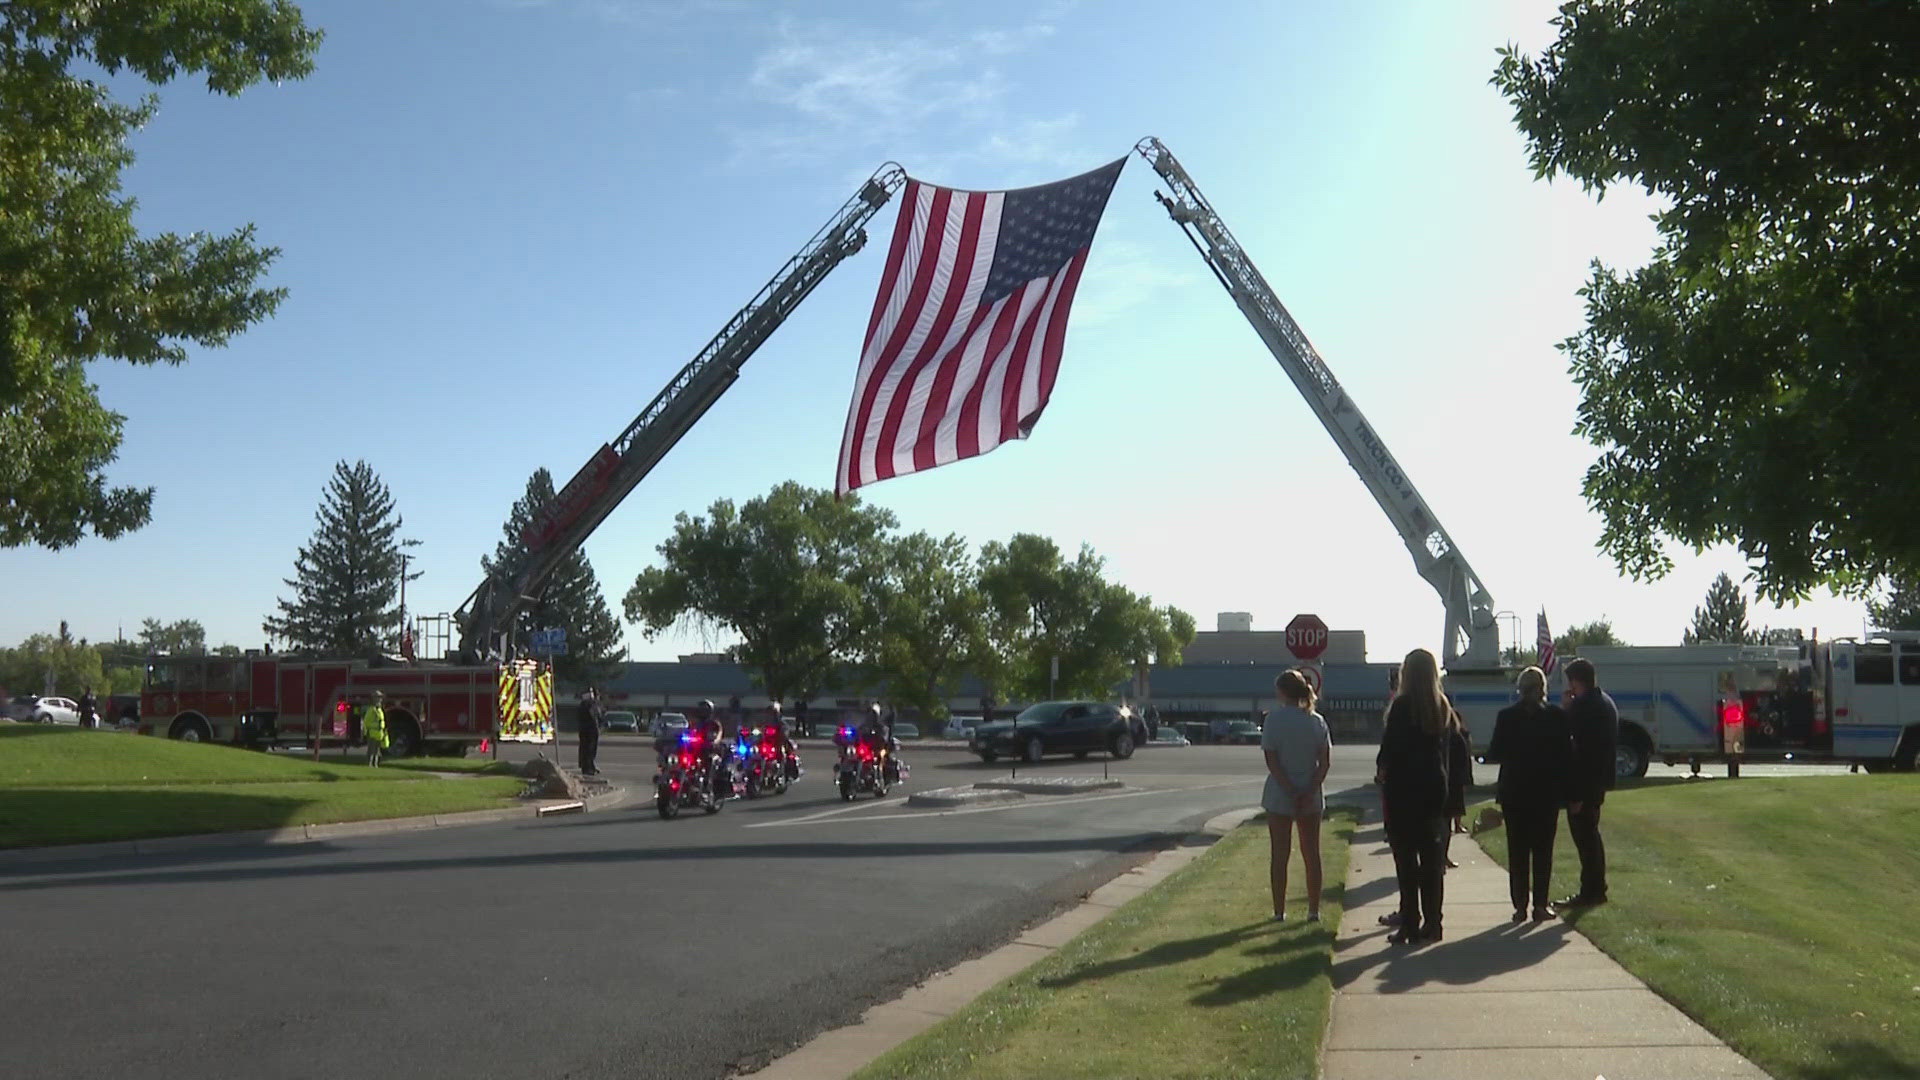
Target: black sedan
(1056,727)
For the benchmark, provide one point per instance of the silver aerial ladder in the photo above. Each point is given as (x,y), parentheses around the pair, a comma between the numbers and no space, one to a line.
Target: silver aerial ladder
(486,619)
(1472,641)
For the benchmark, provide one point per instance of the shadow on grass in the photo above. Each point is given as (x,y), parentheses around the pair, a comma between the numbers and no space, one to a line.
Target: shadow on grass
(1168,952)
(1304,957)
(71,815)
(1854,1059)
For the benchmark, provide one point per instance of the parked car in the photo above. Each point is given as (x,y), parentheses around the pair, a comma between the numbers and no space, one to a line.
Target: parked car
(669,723)
(29,708)
(1056,727)
(1243,732)
(904,730)
(620,720)
(1169,736)
(960,727)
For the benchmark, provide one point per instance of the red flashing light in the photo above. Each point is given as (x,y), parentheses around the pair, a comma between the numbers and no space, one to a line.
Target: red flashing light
(1733,713)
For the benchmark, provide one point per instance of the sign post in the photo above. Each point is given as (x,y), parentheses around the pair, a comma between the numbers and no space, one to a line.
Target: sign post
(1307,637)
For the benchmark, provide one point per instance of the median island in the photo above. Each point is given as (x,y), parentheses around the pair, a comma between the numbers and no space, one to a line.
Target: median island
(1191,978)
(65,786)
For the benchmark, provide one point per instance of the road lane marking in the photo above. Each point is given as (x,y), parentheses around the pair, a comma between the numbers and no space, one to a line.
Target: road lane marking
(1026,804)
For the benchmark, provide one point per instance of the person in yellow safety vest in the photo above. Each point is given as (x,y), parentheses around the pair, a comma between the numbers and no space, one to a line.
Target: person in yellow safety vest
(373,727)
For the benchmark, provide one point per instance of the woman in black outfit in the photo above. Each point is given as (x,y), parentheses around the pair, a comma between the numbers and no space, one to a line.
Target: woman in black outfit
(1533,745)
(1413,775)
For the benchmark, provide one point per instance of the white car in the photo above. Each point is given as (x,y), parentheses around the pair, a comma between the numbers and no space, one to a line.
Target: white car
(1169,736)
(669,723)
(46,710)
(960,727)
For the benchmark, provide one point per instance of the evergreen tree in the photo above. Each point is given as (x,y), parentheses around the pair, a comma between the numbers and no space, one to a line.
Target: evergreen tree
(347,577)
(1722,619)
(570,599)
(1900,608)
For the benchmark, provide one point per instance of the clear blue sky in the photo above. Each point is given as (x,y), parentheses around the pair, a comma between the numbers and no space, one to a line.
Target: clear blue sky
(505,224)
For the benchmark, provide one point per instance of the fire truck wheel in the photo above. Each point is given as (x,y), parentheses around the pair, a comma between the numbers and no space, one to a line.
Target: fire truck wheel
(403,737)
(190,729)
(1629,757)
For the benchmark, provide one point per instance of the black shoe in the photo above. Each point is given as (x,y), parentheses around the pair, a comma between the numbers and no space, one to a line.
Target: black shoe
(1403,937)
(1578,900)
(1519,914)
(1431,933)
(1540,914)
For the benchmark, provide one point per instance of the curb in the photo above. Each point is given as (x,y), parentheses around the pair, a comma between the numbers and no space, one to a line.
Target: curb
(960,796)
(846,1050)
(303,834)
(1063,786)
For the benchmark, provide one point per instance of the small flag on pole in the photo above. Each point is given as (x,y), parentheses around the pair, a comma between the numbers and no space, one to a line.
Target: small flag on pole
(1545,645)
(966,333)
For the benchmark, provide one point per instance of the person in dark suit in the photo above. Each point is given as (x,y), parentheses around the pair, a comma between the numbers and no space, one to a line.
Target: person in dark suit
(1413,769)
(1533,745)
(590,718)
(1595,721)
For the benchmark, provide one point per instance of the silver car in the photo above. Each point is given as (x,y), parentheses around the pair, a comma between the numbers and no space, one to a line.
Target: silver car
(45,710)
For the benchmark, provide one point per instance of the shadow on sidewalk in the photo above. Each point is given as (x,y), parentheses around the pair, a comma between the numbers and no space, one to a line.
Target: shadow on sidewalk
(1455,962)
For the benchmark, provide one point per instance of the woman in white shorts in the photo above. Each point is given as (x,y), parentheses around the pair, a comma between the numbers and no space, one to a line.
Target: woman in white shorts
(1299,750)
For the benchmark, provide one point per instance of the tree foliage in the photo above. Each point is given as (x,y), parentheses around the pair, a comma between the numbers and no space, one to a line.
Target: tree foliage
(794,573)
(1755,382)
(347,578)
(1898,608)
(1722,618)
(1045,607)
(570,600)
(185,637)
(52,663)
(78,282)
(930,620)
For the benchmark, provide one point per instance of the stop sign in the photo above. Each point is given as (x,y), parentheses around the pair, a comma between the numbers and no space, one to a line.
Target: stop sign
(1306,636)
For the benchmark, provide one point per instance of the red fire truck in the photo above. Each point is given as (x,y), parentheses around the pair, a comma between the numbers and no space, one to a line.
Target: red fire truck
(264,701)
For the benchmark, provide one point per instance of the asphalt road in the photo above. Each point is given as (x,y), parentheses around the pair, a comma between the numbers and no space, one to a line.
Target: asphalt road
(611,944)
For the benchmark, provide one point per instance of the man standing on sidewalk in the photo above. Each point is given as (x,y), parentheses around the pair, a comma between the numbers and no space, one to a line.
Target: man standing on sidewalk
(589,732)
(1596,730)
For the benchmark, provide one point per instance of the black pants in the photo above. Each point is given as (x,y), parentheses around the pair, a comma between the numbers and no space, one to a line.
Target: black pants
(589,748)
(1530,833)
(1418,863)
(1585,829)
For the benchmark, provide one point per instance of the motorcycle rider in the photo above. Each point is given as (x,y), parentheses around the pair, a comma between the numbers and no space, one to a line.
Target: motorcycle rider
(878,734)
(777,731)
(714,751)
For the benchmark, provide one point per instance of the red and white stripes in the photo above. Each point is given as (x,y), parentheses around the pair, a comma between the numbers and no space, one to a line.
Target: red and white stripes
(942,376)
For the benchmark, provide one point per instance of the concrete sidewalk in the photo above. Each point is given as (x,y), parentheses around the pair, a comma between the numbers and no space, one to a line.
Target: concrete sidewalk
(1496,999)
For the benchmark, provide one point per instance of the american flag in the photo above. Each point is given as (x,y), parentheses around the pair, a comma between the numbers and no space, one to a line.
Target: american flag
(1545,645)
(965,338)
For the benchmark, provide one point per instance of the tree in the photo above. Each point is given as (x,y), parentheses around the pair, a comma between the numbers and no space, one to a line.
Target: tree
(930,620)
(47,663)
(1755,381)
(793,573)
(570,600)
(346,578)
(78,283)
(1722,618)
(1899,607)
(184,638)
(1044,608)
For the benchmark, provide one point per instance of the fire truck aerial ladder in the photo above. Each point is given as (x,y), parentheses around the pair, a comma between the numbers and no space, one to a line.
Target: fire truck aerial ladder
(1472,641)
(486,619)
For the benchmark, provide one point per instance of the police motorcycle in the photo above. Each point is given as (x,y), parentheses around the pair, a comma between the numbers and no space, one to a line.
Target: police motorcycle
(767,765)
(869,759)
(695,768)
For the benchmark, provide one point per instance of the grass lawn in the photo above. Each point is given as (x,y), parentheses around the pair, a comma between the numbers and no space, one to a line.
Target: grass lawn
(1197,956)
(35,755)
(1778,912)
(37,816)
